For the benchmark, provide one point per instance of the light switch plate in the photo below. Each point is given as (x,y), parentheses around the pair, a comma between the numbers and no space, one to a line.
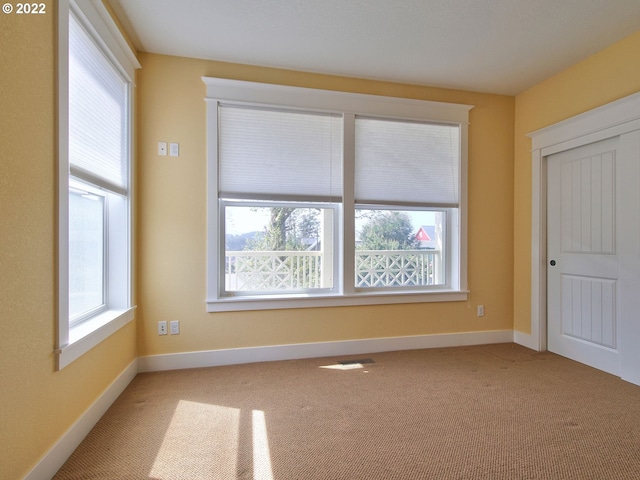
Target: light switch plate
(174,327)
(174,149)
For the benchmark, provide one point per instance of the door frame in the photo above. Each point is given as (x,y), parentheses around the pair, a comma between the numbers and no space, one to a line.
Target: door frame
(610,120)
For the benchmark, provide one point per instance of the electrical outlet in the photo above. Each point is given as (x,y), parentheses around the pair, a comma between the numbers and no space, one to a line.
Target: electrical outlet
(481,310)
(162,148)
(162,327)
(174,327)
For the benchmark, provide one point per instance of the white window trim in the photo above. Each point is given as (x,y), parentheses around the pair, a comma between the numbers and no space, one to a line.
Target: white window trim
(73,342)
(347,104)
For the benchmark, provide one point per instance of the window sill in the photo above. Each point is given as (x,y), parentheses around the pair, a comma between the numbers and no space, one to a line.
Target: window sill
(88,334)
(241,303)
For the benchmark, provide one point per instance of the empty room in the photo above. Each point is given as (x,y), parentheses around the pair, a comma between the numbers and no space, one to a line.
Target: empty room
(320,240)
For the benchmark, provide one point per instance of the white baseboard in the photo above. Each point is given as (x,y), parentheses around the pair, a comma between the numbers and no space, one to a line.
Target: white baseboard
(51,462)
(212,358)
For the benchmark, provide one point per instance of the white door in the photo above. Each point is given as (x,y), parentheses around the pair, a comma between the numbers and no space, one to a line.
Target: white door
(582,254)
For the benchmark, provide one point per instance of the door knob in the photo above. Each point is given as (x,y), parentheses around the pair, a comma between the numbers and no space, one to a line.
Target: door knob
(552,263)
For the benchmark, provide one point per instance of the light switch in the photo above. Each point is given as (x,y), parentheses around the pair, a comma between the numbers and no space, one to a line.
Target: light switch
(174,149)
(174,327)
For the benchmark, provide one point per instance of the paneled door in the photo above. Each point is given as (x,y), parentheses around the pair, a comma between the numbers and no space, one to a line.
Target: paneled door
(583,309)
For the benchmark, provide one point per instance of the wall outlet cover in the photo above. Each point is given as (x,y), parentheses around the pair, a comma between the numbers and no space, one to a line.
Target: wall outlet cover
(162,327)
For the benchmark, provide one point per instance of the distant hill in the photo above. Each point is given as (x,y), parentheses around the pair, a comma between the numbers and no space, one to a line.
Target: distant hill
(239,242)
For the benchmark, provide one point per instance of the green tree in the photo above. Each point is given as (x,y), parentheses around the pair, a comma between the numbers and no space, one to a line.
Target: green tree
(286,231)
(388,230)
(276,234)
(287,228)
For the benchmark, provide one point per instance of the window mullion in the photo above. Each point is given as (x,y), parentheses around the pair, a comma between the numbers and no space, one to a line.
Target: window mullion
(348,206)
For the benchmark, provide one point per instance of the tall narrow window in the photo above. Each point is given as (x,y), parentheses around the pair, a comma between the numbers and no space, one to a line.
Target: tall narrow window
(95,165)
(98,168)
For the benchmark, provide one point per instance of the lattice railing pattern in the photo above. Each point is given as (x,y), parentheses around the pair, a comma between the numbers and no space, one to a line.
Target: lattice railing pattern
(397,268)
(300,270)
(273,271)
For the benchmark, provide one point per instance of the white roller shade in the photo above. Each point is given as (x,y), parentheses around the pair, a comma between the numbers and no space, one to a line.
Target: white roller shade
(279,154)
(406,163)
(97,114)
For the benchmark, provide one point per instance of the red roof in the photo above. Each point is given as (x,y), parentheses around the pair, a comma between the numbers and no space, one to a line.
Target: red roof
(422,235)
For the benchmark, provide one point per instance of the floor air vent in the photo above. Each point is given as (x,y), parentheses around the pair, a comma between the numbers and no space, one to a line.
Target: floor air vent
(360,361)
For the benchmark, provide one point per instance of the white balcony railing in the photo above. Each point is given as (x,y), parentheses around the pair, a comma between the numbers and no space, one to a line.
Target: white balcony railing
(250,271)
(397,268)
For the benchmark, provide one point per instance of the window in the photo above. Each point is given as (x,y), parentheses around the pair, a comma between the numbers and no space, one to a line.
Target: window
(94,176)
(401,248)
(326,198)
(278,247)
(406,194)
(279,187)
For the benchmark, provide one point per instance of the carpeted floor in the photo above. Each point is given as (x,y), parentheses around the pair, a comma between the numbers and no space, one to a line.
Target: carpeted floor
(483,412)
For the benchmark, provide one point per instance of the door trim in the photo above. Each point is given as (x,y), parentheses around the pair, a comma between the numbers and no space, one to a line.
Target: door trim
(615,118)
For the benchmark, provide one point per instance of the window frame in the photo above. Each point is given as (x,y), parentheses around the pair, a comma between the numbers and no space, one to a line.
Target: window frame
(223,203)
(73,339)
(349,106)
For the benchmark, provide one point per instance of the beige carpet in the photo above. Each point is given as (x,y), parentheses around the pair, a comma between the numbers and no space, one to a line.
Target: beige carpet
(485,412)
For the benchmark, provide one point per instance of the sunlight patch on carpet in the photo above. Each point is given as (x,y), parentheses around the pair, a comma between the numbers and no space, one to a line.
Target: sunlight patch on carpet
(261,455)
(349,364)
(211,431)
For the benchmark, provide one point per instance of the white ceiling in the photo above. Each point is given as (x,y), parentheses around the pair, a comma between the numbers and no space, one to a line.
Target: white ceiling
(493,46)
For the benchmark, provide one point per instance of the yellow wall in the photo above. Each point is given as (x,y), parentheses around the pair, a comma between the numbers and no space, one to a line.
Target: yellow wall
(37,404)
(172,220)
(604,77)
